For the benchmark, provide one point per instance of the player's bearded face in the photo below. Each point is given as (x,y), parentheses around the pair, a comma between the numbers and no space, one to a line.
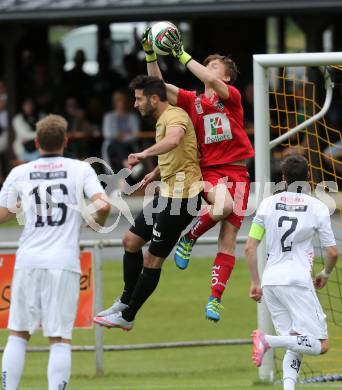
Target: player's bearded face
(143,104)
(217,68)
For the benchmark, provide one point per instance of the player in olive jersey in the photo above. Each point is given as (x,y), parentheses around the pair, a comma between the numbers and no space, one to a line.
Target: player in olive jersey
(181,183)
(217,116)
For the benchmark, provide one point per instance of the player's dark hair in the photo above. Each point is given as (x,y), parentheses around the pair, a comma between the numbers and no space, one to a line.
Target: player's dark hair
(51,131)
(295,168)
(231,68)
(150,86)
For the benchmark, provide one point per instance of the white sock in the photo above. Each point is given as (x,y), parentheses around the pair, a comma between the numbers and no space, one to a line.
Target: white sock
(291,366)
(13,360)
(59,366)
(301,344)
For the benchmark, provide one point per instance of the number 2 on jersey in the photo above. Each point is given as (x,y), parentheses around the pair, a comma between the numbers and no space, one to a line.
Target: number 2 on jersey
(49,205)
(293,221)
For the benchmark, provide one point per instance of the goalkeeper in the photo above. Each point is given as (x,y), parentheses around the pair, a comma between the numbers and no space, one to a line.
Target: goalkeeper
(217,116)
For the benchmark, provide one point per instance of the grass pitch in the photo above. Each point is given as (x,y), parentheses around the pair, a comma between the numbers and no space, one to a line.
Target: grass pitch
(175,312)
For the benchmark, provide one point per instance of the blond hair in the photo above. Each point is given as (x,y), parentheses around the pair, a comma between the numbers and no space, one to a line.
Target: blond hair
(51,132)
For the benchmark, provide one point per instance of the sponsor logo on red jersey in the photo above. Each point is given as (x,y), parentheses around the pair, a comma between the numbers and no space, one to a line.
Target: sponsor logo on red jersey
(217,128)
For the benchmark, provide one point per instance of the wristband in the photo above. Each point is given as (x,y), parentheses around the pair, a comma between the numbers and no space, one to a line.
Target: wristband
(150,56)
(184,58)
(324,273)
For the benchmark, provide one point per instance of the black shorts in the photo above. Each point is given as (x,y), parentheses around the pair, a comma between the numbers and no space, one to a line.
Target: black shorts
(162,222)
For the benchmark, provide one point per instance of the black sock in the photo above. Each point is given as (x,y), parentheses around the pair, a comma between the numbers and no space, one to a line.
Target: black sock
(147,283)
(132,267)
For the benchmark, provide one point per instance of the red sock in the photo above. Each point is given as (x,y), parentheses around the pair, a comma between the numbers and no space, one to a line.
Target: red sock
(202,224)
(220,274)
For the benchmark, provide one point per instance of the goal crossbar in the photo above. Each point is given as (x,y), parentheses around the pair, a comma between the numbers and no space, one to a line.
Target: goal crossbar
(298,59)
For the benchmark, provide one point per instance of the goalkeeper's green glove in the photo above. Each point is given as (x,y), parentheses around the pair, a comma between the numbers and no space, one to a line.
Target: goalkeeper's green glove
(150,54)
(177,48)
(182,56)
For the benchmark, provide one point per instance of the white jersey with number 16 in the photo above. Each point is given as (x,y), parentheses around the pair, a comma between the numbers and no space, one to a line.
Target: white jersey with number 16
(50,190)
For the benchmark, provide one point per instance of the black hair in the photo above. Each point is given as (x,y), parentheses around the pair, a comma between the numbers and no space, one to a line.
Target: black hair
(295,168)
(150,86)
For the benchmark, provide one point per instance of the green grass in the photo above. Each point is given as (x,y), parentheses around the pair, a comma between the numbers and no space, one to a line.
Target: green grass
(175,312)
(12,223)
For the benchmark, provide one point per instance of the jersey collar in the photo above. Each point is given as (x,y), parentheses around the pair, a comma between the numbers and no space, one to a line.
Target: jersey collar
(50,155)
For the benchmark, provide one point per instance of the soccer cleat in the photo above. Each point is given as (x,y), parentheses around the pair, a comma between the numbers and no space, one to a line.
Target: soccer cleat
(115,308)
(114,321)
(260,346)
(213,309)
(183,252)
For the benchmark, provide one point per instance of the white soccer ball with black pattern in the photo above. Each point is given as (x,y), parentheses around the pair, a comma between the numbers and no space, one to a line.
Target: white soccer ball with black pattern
(157,36)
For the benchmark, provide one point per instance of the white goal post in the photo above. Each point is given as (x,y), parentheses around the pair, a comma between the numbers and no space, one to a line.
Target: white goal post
(261,65)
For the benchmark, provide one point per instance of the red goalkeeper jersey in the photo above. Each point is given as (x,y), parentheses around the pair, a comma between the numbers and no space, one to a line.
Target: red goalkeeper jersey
(219,127)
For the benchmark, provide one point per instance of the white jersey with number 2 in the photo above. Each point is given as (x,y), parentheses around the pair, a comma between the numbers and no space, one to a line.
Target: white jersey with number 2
(291,221)
(50,190)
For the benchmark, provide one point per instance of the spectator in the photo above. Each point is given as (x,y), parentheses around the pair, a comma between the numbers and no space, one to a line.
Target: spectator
(120,129)
(132,66)
(59,76)
(24,126)
(3,132)
(107,79)
(79,130)
(42,89)
(94,116)
(94,113)
(76,118)
(333,157)
(78,82)
(25,73)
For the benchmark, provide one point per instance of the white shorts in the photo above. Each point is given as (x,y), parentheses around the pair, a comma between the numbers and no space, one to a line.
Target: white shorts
(46,297)
(295,309)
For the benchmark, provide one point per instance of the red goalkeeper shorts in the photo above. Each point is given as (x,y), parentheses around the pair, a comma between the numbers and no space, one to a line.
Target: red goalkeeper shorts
(236,179)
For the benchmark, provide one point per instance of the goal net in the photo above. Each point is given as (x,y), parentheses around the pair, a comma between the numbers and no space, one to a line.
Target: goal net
(303,100)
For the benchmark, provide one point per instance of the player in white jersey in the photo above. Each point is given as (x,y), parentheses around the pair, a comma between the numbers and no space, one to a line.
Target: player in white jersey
(45,287)
(289,221)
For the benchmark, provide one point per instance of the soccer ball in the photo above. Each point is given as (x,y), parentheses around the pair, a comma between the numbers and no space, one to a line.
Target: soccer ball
(157,34)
